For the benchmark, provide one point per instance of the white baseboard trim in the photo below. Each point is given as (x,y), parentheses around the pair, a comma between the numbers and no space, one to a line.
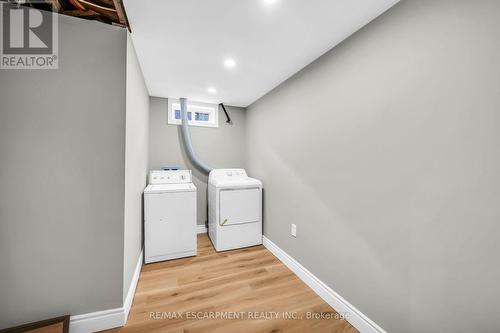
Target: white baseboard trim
(97,321)
(201,229)
(127,305)
(355,317)
(107,319)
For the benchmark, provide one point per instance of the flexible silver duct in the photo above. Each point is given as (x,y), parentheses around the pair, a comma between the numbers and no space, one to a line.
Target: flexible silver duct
(186,137)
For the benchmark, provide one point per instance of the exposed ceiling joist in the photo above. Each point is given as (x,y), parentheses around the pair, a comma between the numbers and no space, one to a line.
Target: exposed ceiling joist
(55,4)
(107,11)
(120,9)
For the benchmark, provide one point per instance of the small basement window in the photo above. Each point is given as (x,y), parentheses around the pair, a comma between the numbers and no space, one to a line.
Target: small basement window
(199,114)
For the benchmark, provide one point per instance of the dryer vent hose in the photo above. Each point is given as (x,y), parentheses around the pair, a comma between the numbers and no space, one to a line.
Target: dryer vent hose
(188,144)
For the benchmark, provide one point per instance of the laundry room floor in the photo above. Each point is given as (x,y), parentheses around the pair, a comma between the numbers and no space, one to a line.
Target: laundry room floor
(187,295)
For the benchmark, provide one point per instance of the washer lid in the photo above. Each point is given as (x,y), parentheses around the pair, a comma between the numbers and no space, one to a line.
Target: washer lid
(166,188)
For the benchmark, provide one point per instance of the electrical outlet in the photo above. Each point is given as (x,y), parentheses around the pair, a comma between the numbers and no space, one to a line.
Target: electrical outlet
(294,230)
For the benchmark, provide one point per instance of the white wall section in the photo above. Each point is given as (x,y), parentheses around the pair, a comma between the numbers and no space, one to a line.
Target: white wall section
(136,162)
(72,173)
(393,180)
(62,176)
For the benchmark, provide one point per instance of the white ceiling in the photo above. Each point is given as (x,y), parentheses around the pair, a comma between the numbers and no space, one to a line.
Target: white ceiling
(182,44)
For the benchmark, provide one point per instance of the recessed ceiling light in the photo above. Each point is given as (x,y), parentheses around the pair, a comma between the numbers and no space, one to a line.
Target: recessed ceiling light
(212,90)
(269,2)
(230,63)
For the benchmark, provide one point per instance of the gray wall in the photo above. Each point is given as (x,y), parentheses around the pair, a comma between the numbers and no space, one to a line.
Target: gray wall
(221,147)
(62,171)
(136,163)
(385,153)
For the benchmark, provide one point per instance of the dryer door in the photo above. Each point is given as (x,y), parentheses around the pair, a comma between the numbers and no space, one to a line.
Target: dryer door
(238,206)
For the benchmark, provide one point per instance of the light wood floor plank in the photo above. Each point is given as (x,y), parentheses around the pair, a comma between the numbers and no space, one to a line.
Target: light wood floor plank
(245,281)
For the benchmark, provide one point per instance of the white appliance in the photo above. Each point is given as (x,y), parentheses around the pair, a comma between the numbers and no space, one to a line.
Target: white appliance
(234,209)
(169,216)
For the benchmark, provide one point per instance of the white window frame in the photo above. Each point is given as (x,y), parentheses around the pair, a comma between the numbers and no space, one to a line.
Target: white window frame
(192,106)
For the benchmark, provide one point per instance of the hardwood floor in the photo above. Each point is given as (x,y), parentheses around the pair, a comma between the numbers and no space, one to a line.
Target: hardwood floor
(173,296)
(56,328)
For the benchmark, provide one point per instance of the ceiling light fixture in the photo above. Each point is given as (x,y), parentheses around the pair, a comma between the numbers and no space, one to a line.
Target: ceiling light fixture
(212,90)
(269,2)
(230,63)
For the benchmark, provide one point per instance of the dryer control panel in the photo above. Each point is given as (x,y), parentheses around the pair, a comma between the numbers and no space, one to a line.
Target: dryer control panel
(170,176)
(228,174)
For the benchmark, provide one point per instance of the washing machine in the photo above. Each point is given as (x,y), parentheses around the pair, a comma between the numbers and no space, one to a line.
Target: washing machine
(234,209)
(169,216)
